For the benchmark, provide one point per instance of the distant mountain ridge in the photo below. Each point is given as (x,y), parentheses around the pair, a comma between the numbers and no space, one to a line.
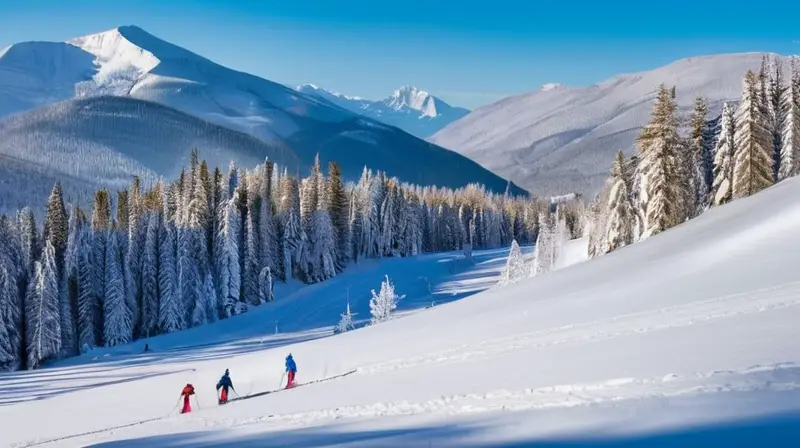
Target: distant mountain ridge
(129,62)
(411,109)
(558,140)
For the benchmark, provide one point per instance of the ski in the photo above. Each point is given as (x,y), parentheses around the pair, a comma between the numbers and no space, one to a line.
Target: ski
(261,394)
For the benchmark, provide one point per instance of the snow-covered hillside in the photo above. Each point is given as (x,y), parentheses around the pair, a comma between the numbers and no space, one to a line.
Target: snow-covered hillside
(103,141)
(563,140)
(411,109)
(689,338)
(127,61)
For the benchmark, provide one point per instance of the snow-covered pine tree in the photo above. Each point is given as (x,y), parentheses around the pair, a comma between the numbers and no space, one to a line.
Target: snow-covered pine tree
(544,251)
(322,254)
(101,225)
(515,269)
(193,261)
(11,313)
(777,111)
(56,225)
(265,285)
(171,316)
(42,311)
(346,322)
(701,157)
(790,149)
(659,151)
(118,324)
(29,241)
(252,262)
(69,297)
(267,232)
(87,300)
(722,189)
(10,325)
(752,155)
(207,296)
(620,213)
(337,206)
(149,274)
(384,303)
(310,200)
(228,258)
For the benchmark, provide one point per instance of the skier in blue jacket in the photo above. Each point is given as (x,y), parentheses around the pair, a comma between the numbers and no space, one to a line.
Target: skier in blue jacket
(291,370)
(225,383)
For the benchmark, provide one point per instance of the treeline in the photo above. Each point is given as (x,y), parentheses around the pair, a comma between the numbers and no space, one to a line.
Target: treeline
(677,176)
(165,257)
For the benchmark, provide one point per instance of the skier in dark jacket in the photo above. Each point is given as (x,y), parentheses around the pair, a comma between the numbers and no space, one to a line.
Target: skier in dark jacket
(225,383)
(291,370)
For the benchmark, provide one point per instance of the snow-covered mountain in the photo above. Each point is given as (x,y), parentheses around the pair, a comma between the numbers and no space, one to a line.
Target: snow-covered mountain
(689,338)
(127,61)
(562,139)
(102,141)
(413,110)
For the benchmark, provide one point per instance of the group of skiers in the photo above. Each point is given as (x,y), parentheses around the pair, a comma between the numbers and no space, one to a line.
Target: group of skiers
(225,384)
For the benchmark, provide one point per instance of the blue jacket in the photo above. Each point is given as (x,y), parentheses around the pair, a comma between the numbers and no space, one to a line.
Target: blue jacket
(225,382)
(290,365)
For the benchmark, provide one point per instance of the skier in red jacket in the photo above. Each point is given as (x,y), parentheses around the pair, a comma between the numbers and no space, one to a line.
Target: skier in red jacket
(186,393)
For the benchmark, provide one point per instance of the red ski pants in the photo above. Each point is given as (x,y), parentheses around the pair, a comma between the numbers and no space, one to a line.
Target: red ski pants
(187,407)
(290,382)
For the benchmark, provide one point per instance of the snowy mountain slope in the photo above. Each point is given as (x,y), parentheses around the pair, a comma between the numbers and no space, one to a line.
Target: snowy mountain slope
(413,110)
(563,139)
(127,61)
(103,141)
(690,336)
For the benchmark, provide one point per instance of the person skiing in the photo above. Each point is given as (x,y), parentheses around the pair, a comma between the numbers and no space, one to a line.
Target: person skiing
(225,383)
(187,391)
(291,370)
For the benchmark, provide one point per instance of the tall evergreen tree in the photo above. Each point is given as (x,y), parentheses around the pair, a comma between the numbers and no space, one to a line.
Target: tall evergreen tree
(752,156)
(339,213)
(42,311)
(790,150)
(620,213)
(101,225)
(87,300)
(150,310)
(702,163)
(56,225)
(228,258)
(777,111)
(515,266)
(170,310)
(722,189)
(252,262)
(659,146)
(30,242)
(118,323)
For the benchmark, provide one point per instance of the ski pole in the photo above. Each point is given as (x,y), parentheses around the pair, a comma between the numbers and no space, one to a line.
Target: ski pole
(281,384)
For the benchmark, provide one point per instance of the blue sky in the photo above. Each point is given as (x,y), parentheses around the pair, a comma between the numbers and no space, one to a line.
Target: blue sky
(467,52)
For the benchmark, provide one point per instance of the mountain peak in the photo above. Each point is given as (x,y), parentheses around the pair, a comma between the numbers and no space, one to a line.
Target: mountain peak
(413,98)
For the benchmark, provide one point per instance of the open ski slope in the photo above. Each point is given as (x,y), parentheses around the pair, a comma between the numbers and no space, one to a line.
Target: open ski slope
(691,337)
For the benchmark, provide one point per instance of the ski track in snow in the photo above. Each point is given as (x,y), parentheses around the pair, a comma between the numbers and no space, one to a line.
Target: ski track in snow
(774,377)
(738,304)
